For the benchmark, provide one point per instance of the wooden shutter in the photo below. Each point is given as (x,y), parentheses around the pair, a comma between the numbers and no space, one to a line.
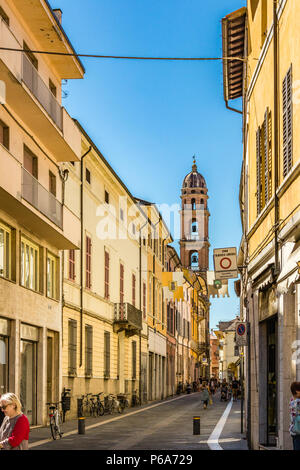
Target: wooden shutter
(106,354)
(121,283)
(258,171)
(72,265)
(287,94)
(106,275)
(72,346)
(88,349)
(144,300)
(266,156)
(133,359)
(88,262)
(270,155)
(133,290)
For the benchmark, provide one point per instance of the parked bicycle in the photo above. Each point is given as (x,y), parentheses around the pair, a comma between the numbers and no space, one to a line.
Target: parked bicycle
(87,406)
(135,401)
(98,407)
(55,420)
(124,403)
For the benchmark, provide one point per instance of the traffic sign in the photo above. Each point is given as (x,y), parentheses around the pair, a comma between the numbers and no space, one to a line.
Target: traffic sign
(241,334)
(225,263)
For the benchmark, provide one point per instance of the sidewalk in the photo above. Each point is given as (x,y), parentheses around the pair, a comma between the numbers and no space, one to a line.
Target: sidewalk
(231,437)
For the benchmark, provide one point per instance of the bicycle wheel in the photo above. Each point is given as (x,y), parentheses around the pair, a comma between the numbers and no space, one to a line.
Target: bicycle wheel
(59,426)
(53,428)
(121,408)
(100,409)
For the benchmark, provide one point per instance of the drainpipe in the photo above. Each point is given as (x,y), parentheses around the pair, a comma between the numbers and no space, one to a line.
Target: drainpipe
(140,302)
(81,253)
(276,136)
(63,176)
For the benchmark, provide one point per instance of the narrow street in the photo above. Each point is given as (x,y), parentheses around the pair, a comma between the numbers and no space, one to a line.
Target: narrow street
(166,425)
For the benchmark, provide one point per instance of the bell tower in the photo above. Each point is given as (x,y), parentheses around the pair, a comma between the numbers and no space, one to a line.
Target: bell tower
(194,217)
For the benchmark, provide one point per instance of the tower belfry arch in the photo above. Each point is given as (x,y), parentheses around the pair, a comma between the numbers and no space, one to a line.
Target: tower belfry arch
(194,219)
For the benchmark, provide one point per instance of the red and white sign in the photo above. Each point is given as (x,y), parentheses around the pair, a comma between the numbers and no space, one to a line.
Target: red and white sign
(241,334)
(225,263)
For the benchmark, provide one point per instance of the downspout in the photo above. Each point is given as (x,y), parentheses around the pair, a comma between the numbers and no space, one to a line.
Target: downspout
(81,254)
(63,176)
(276,136)
(140,302)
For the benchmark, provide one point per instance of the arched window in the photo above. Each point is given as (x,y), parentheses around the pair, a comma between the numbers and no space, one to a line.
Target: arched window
(194,229)
(193,204)
(194,260)
(202,201)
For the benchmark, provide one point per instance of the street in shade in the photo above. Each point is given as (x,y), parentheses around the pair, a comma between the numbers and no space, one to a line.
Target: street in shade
(165,425)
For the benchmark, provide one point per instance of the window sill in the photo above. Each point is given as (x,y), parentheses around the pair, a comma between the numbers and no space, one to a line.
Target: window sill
(72,374)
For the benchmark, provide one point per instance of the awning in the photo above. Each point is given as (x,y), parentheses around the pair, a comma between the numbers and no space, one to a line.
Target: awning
(233,35)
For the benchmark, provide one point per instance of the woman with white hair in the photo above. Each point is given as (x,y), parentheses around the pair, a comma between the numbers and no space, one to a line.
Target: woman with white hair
(14,431)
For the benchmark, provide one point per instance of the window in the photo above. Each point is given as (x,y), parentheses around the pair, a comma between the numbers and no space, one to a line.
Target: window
(106,354)
(287,95)
(31,56)
(144,300)
(88,350)
(88,282)
(4,16)
(133,348)
(5,252)
(52,88)
(72,275)
(4,134)
(133,289)
(29,265)
(106,197)
(264,163)
(88,175)
(72,346)
(52,183)
(30,162)
(52,276)
(121,283)
(121,214)
(106,274)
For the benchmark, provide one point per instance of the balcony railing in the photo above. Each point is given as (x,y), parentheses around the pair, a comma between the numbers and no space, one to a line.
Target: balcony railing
(45,202)
(129,316)
(40,90)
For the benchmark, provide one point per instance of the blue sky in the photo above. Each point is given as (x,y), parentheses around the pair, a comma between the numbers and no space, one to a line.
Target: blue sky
(149,118)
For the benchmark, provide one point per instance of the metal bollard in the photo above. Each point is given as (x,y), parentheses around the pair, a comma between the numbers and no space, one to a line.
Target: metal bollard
(81,425)
(196,425)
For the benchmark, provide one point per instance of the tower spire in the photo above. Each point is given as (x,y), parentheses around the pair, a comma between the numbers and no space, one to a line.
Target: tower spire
(194,167)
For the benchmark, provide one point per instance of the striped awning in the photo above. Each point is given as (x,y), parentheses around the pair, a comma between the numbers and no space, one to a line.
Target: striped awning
(233,34)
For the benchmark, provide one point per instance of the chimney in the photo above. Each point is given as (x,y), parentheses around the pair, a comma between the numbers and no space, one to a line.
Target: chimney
(58,13)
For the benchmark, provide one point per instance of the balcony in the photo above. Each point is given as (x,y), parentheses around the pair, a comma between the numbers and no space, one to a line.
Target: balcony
(31,101)
(39,89)
(128,318)
(34,193)
(33,207)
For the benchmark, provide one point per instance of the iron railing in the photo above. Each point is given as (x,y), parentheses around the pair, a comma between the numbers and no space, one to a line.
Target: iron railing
(37,86)
(127,313)
(45,202)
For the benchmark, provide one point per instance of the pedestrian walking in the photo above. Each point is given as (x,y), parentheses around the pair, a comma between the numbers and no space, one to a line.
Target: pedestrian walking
(295,415)
(235,387)
(14,431)
(204,396)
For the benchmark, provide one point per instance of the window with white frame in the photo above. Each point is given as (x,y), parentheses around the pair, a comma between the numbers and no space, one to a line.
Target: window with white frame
(29,264)
(5,251)
(51,276)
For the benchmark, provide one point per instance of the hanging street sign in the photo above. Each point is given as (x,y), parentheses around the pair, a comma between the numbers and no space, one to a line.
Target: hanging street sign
(241,333)
(225,262)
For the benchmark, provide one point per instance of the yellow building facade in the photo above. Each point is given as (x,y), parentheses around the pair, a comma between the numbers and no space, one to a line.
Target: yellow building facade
(265,38)
(36,136)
